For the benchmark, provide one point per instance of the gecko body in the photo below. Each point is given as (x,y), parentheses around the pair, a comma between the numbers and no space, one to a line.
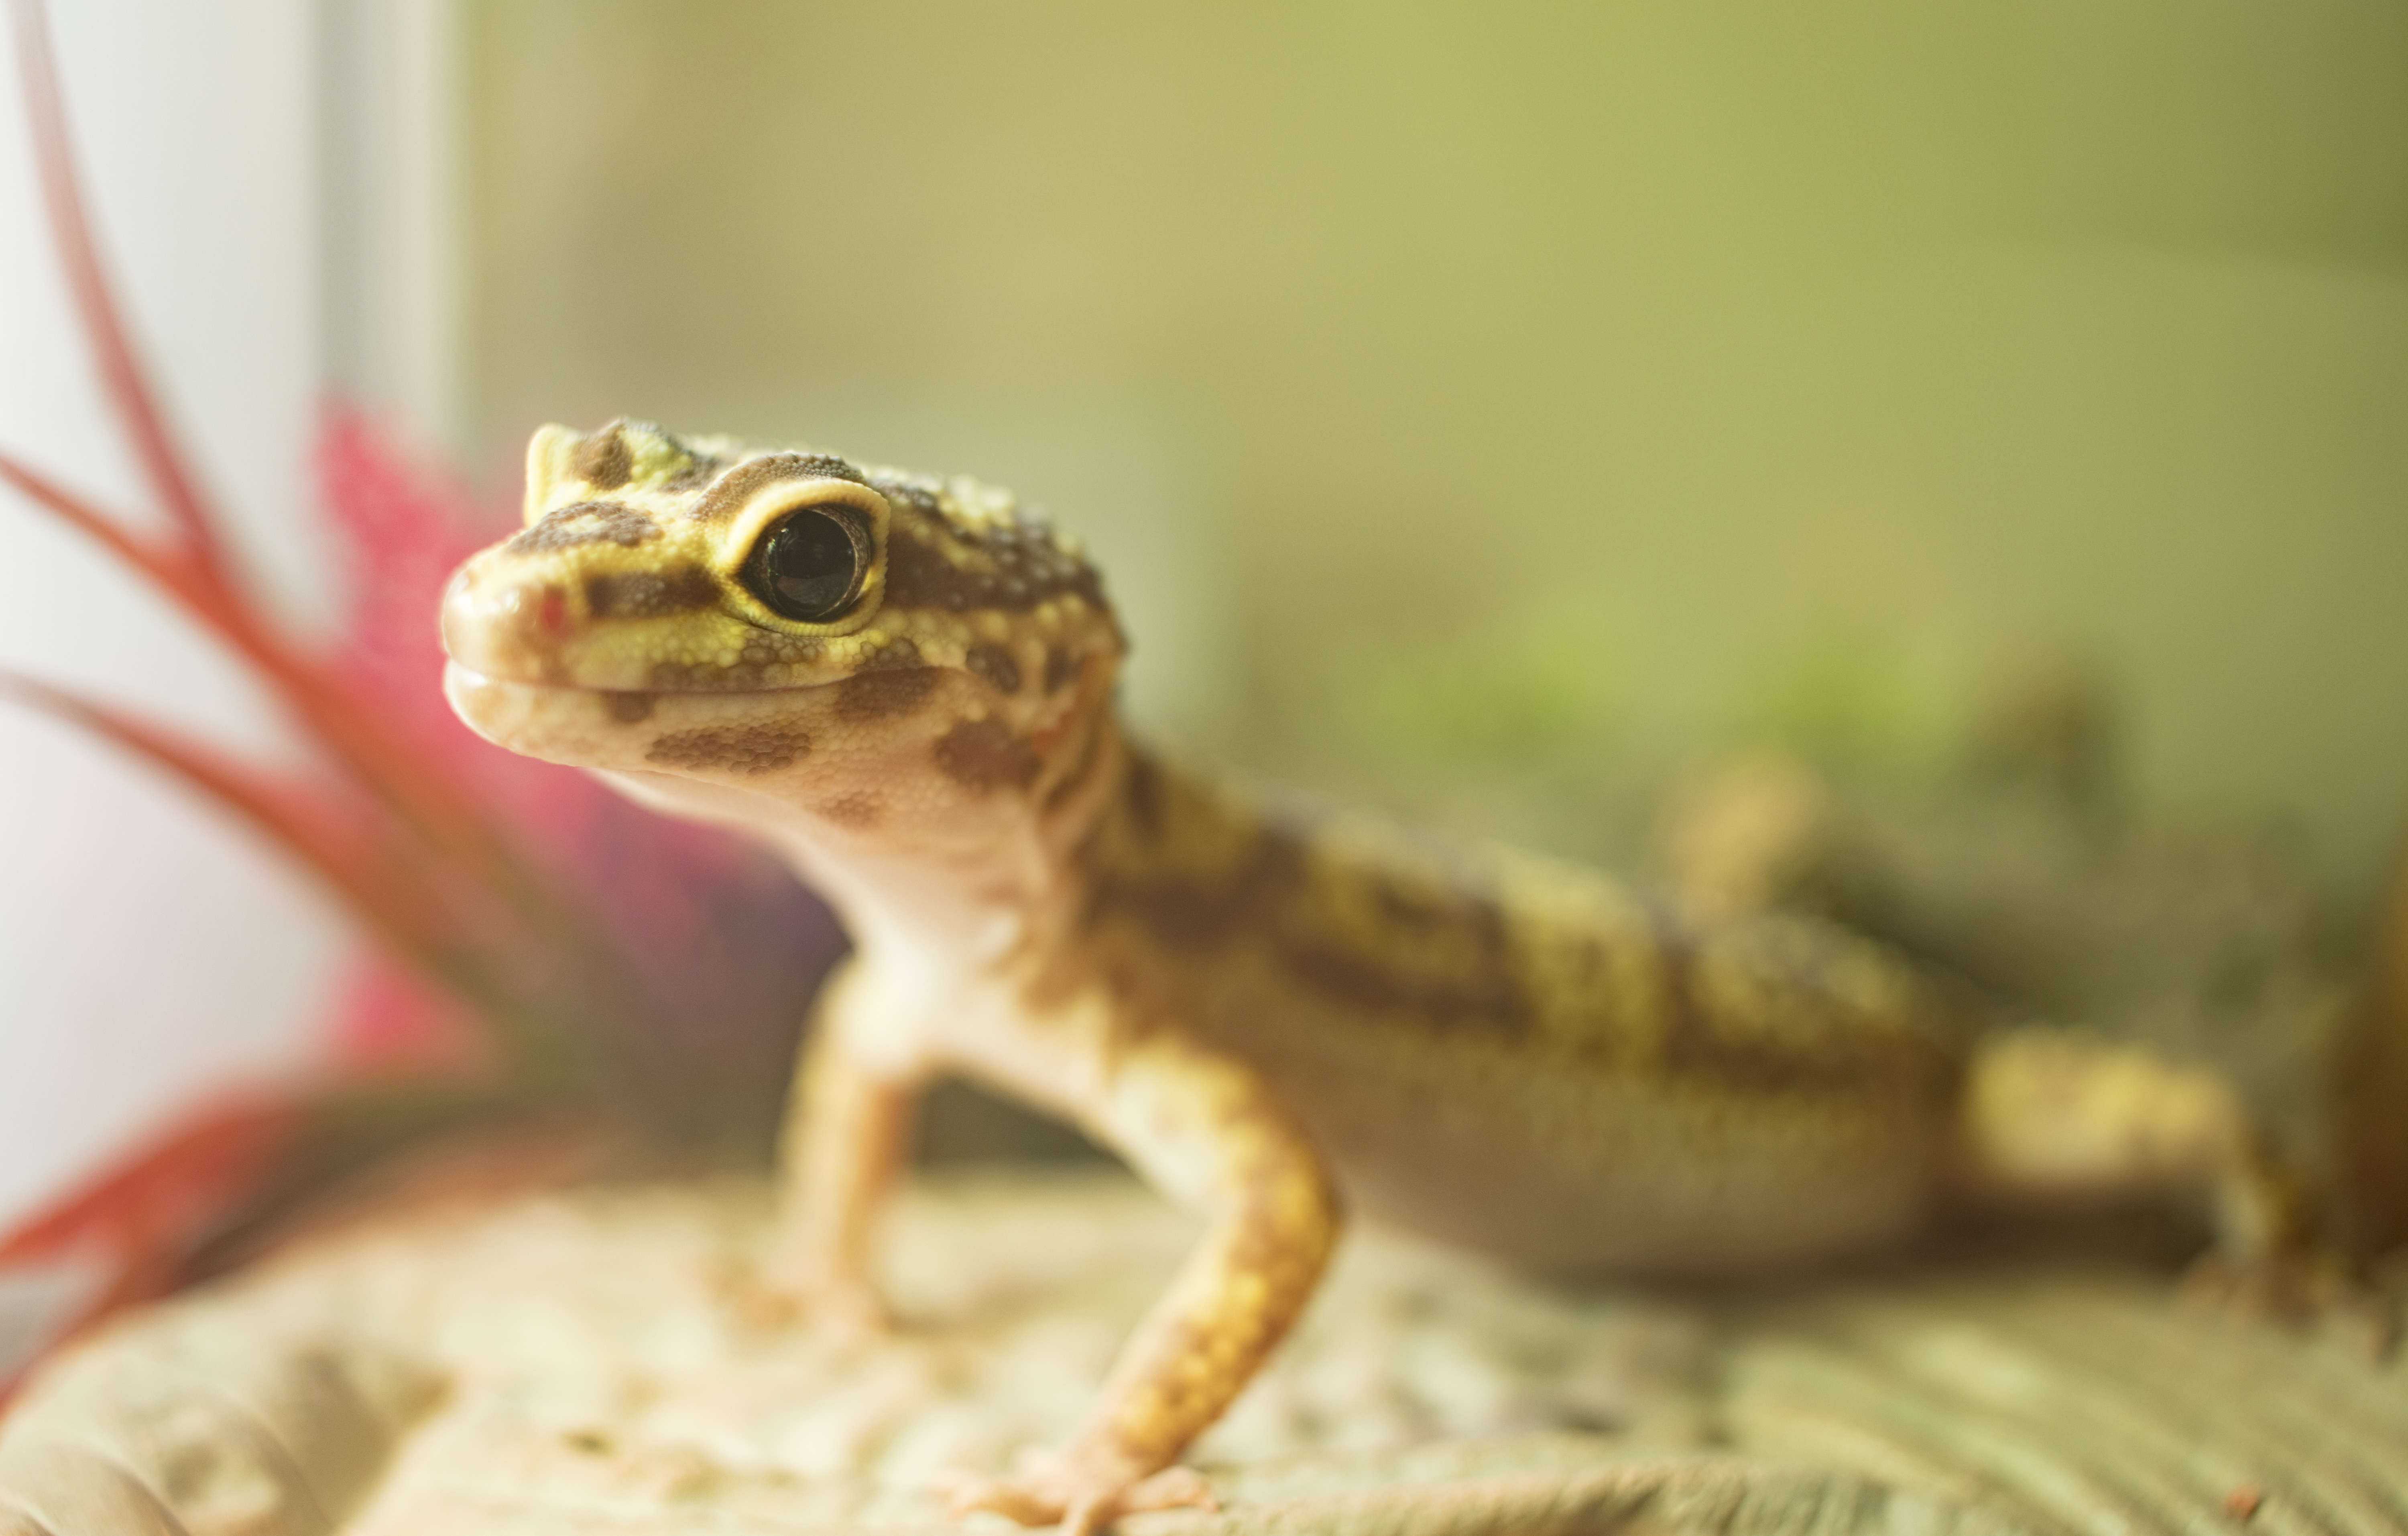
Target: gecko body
(904,686)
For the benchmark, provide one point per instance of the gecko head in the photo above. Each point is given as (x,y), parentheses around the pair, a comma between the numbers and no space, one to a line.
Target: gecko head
(713,620)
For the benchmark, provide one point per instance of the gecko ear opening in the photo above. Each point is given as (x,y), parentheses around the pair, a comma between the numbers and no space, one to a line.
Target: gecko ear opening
(551,454)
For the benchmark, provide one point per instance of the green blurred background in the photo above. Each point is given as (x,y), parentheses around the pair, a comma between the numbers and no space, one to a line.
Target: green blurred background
(1571,385)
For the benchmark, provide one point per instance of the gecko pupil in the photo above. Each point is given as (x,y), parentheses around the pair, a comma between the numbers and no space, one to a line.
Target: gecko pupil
(809,567)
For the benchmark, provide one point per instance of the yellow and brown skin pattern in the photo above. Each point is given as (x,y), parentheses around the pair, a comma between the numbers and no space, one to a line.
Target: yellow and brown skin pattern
(1268,1017)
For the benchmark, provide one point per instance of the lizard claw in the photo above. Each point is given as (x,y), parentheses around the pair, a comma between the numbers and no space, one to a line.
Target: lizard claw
(1081,1498)
(848,1311)
(2305,1289)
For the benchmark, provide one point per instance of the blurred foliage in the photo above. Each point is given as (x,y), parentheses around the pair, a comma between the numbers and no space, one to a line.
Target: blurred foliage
(1851,702)
(1350,333)
(1538,688)
(534,946)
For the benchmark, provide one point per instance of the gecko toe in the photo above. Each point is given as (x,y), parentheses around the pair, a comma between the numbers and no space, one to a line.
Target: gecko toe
(2315,1291)
(1083,1499)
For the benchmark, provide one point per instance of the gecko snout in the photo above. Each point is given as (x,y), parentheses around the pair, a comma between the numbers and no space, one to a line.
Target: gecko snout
(504,628)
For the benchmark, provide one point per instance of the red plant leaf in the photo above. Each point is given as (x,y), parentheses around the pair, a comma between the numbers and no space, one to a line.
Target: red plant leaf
(422,792)
(308,823)
(120,371)
(167,1192)
(170,569)
(139,1218)
(580,932)
(383,1018)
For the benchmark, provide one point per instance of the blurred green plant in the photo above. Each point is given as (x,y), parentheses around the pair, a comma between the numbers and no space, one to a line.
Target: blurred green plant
(1853,701)
(1544,686)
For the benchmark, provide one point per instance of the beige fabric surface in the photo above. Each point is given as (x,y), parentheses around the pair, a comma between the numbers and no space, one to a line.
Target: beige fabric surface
(572,1363)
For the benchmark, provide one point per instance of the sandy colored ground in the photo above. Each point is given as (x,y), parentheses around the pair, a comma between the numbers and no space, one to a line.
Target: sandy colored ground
(570,1363)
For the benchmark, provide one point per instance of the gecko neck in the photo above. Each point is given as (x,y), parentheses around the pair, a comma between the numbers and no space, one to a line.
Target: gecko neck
(972,904)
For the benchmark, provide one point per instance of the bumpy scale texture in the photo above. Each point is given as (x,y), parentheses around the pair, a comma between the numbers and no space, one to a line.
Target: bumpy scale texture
(1274,1018)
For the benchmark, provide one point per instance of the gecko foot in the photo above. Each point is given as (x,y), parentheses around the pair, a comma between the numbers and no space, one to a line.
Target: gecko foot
(1084,1497)
(843,1310)
(2299,1290)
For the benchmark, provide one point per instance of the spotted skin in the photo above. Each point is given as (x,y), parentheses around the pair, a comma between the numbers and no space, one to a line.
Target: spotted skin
(882,695)
(603,461)
(749,750)
(586,523)
(1271,1016)
(994,664)
(984,755)
(645,594)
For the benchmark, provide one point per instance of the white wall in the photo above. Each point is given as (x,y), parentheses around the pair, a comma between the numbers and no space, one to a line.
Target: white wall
(147,949)
(389,152)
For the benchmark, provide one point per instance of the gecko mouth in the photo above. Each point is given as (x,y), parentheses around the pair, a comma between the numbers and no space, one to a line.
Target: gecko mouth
(617,728)
(471,677)
(511,711)
(719,735)
(515,713)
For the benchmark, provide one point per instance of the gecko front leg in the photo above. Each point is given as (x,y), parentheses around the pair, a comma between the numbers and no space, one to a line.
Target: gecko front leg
(847,1133)
(1205,1130)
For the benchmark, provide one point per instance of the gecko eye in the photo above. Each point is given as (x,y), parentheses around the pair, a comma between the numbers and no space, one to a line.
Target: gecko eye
(811,566)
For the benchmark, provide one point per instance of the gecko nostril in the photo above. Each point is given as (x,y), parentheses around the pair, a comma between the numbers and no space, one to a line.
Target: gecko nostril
(551,613)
